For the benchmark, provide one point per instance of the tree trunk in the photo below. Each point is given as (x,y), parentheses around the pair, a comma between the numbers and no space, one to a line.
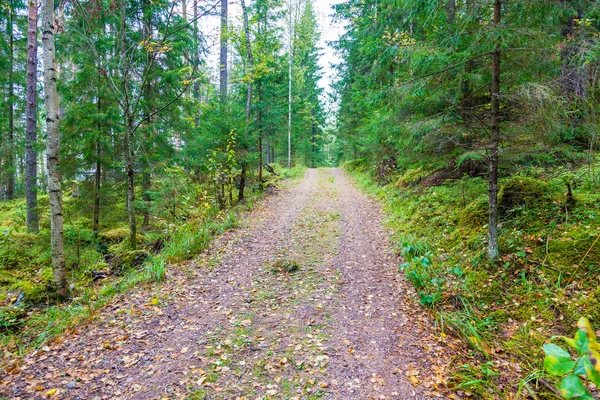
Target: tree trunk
(148,137)
(223,55)
(31,130)
(290,62)
(97,172)
(313,129)
(493,251)
(249,94)
(260,134)
(272,154)
(242,181)
(146,186)
(196,58)
(53,149)
(450,12)
(10,138)
(130,171)
(97,183)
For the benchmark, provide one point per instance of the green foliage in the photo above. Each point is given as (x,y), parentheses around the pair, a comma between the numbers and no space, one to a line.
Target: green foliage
(558,362)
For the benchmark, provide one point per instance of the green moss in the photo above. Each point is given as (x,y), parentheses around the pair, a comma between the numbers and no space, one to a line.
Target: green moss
(568,250)
(475,214)
(134,258)
(519,191)
(45,275)
(34,292)
(114,236)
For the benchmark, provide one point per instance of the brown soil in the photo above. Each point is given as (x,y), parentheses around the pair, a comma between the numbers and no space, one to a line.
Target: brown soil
(232,326)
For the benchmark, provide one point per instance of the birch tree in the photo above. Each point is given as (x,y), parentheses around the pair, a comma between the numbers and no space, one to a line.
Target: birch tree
(53,148)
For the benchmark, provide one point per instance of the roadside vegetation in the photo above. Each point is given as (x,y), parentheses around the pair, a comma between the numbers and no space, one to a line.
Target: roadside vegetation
(546,279)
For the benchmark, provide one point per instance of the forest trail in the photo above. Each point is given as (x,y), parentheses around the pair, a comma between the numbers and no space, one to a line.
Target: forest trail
(227,326)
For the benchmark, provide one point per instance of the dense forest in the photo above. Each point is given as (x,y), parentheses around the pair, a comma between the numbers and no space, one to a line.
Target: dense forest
(143,134)
(134,132)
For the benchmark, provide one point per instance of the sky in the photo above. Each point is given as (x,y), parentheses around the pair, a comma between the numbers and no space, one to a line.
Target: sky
(329,32)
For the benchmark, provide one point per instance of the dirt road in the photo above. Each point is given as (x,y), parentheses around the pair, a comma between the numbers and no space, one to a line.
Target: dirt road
(234,325)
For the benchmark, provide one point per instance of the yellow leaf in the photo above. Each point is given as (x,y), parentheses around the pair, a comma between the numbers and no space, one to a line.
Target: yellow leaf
(51,392)
(155,302)
(585,326)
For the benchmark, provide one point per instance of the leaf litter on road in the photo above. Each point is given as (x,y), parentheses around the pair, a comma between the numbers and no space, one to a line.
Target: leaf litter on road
(343,325)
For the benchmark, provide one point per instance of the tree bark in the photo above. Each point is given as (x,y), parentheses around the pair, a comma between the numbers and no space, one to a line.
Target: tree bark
(290,62)
(313,144)
(130,171)
(493,250)
(31,129)
(53,149)
(129,139)
(260,134)
(149,100)
(223,55)
(196,58)
(10,148)
(97,175)
(450,12)
(250,68)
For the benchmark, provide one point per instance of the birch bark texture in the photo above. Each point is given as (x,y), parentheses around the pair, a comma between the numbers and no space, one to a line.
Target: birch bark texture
(53,149)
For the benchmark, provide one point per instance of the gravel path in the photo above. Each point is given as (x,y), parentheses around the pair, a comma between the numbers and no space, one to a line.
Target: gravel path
(232,325)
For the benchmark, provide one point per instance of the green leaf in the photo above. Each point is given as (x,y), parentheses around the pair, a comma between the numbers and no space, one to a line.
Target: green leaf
(582,342)
(571,387)
(558,360)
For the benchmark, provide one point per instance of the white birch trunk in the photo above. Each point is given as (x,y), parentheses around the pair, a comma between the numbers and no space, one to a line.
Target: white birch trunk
(53,149)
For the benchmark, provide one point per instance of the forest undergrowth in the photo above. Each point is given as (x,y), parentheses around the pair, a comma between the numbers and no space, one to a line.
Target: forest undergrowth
(546,279)
(184,220)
